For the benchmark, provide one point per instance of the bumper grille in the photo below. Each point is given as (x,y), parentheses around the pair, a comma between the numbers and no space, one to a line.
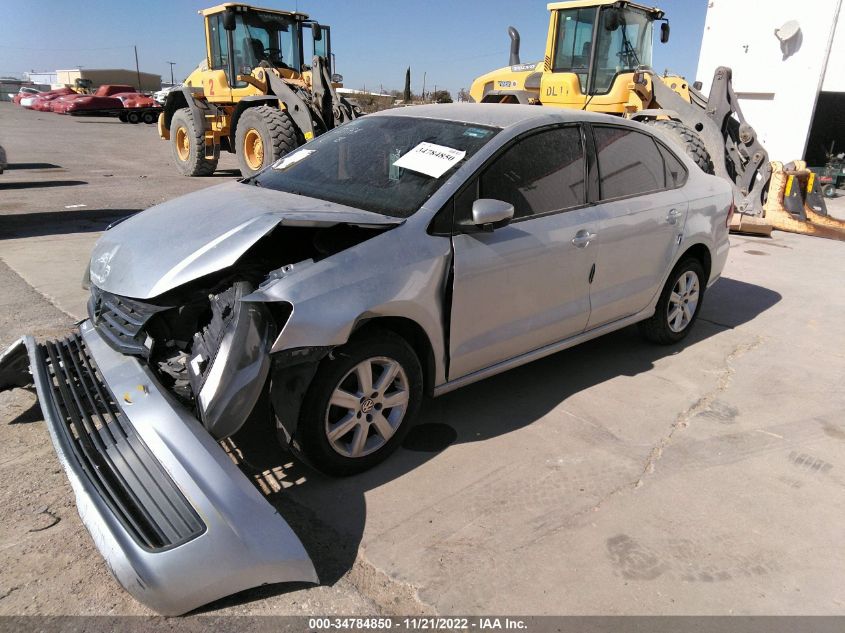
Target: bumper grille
(109,452)
(120,321)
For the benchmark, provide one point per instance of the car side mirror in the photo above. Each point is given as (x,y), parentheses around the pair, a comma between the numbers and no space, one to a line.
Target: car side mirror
(664,32)
(489,214)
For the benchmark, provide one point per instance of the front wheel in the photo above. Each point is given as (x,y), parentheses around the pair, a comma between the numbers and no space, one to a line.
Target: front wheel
(263,135)
(188,144)
(678,306)
(360,404)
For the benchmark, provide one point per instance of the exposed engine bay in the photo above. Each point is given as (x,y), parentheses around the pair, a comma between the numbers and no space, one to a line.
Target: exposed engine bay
(207,347)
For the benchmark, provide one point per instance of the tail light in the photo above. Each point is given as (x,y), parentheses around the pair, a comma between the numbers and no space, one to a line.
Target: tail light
(731,211)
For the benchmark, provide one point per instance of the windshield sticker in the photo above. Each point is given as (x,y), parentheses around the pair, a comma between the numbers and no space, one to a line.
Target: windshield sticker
(394,173)
(477,132)
(291,159)
(430,159)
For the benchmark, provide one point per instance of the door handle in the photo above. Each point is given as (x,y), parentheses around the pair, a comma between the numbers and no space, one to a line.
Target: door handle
(673,216)
(583,238)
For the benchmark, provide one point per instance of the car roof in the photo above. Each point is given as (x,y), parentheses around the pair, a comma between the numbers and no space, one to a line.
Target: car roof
(499,115)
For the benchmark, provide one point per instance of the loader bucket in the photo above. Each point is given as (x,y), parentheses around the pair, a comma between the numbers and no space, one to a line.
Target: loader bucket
(783,212)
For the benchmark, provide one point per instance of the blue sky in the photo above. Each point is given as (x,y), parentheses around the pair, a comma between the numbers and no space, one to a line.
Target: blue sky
(452,42)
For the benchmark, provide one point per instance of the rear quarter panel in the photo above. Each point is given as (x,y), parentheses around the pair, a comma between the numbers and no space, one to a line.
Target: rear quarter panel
(710,199)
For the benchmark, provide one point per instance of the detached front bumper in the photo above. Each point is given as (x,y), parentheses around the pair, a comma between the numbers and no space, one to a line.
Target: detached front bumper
(178,524)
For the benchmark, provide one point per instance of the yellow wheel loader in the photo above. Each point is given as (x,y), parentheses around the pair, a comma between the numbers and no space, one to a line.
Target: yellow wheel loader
(255,94)
(598,58)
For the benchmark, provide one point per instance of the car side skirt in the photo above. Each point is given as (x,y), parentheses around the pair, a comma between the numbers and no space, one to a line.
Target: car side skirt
(542,352)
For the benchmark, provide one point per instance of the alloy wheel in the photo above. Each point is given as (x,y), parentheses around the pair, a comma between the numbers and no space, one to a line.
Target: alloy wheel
(683,301)
(367,407)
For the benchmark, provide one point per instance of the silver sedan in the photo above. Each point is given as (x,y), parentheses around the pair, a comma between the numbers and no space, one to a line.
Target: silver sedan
(407,253)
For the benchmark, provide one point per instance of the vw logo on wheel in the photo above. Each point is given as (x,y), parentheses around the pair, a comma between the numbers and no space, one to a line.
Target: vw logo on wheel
(367,405)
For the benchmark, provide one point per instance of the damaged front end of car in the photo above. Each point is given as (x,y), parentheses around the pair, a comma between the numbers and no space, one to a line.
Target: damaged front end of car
(170,360)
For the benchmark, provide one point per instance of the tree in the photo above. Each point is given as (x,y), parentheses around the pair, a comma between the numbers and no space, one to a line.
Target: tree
(407,94)
(463,95)
(441,96)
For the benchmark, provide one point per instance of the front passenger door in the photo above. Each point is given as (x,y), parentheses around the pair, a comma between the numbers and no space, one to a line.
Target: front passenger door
(525,285)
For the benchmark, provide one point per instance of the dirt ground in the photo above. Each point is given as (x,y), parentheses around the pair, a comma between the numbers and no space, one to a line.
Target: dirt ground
(613,478)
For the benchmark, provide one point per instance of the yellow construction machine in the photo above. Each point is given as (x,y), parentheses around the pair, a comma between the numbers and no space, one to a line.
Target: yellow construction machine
(598,57)
(255,94)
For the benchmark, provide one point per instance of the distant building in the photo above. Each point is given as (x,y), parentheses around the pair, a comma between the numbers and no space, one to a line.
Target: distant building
(787,60)
(98,77)
(46,78)
(102,76)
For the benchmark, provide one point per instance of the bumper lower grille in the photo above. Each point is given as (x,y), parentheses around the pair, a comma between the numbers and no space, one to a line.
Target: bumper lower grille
(109,452)
(120,321)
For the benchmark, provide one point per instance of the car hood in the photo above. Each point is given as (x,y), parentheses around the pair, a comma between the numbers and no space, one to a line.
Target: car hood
(181,240)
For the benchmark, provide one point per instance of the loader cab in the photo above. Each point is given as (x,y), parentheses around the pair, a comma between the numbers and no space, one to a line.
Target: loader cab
(241,37)
(594,47)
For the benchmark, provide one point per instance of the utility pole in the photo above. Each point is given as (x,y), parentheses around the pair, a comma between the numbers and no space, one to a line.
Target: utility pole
(423,94)
(137,69)
(171,72)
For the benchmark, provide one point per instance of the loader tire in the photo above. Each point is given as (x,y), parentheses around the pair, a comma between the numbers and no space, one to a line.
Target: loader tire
(188,145)
(687,139)
(264,134)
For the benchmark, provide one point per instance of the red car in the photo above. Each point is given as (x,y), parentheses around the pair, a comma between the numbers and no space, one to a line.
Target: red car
(100,100)
(136,100)
(40,102)
(78,103)
(24,93)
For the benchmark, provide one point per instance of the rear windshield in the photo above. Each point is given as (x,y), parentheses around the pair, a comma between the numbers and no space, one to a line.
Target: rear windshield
(355,164)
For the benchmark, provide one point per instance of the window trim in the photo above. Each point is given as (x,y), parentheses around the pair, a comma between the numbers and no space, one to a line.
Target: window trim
(474,180)
(675,155)
(555,69)
(662,160)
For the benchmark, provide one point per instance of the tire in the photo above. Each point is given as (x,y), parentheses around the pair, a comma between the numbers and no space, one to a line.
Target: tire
(662,329)
(338,371)
(149,117)
(688,140)
(122,117)
(188,146)
(829,191)
(133,117)
(264,134)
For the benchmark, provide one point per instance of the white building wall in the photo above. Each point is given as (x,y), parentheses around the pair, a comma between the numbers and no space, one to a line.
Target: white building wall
(834,78)
(777,95)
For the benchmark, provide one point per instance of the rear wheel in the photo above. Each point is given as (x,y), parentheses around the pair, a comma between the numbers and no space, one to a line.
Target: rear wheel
(264,134)
(188,145)
(688,140)
(360,404)
(679,304)
(149,117)
(133,117)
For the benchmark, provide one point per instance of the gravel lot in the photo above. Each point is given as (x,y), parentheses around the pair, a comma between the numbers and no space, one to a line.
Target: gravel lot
(614,478)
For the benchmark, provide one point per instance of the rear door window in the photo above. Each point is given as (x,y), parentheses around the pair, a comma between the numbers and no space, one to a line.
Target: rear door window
(629,162)
(676,173)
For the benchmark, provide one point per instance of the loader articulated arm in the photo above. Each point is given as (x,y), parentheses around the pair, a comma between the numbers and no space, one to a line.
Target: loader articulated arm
(736,153)
(334,109)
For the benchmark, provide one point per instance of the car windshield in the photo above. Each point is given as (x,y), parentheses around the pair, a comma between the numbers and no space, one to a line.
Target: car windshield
(356,164)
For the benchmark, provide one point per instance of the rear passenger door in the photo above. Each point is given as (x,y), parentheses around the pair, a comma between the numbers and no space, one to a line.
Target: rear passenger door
(642,213)
(525,285)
